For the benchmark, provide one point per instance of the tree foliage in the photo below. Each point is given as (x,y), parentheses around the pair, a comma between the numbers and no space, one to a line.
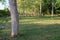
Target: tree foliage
(4,12)
(28,7)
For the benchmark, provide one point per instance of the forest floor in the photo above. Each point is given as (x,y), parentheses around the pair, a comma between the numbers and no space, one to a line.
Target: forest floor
(32,28)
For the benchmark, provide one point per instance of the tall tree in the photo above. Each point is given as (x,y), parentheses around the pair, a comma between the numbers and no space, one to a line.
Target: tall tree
(52,7)
(14,17)
(40,7)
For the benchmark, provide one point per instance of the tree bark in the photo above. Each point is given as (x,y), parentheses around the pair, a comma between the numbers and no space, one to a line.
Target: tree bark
(14,17)
(41,8)
(52,7)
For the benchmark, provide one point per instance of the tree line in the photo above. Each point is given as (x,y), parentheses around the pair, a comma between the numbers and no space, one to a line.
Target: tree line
(38,7)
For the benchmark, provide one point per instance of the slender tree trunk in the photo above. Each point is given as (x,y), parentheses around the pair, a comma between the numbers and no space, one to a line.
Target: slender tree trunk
(52,8)
(14,17)
(41,8)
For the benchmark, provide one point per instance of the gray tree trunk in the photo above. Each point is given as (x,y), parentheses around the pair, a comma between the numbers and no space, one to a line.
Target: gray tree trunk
(14,17)
(41,8)
(52,7)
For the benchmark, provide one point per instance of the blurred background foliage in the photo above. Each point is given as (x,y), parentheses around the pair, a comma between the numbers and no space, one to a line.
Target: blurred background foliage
(32,7)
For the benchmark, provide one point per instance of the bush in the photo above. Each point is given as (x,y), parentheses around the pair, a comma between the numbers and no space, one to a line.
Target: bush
(4,12)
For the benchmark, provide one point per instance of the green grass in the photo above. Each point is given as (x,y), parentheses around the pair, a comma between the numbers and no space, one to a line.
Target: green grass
(33,28)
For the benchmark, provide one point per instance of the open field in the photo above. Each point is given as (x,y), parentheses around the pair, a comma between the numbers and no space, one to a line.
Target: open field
(32,28)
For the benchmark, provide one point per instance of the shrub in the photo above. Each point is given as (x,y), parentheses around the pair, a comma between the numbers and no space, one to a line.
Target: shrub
(4,12)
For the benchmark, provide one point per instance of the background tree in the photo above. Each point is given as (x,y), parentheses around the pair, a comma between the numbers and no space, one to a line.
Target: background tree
(41,8)
(57,7)
(53,7)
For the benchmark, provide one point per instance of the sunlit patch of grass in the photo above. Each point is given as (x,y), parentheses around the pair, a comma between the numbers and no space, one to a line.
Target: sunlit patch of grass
(43,20)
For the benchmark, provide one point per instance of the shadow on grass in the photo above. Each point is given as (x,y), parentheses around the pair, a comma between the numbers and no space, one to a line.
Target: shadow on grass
(34,32)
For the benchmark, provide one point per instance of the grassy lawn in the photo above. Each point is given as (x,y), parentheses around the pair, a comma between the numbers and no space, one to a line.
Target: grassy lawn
(32,28)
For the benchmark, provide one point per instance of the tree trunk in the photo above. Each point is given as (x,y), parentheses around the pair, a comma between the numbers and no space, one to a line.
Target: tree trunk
(14,17)
(41,8)
(52,7)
